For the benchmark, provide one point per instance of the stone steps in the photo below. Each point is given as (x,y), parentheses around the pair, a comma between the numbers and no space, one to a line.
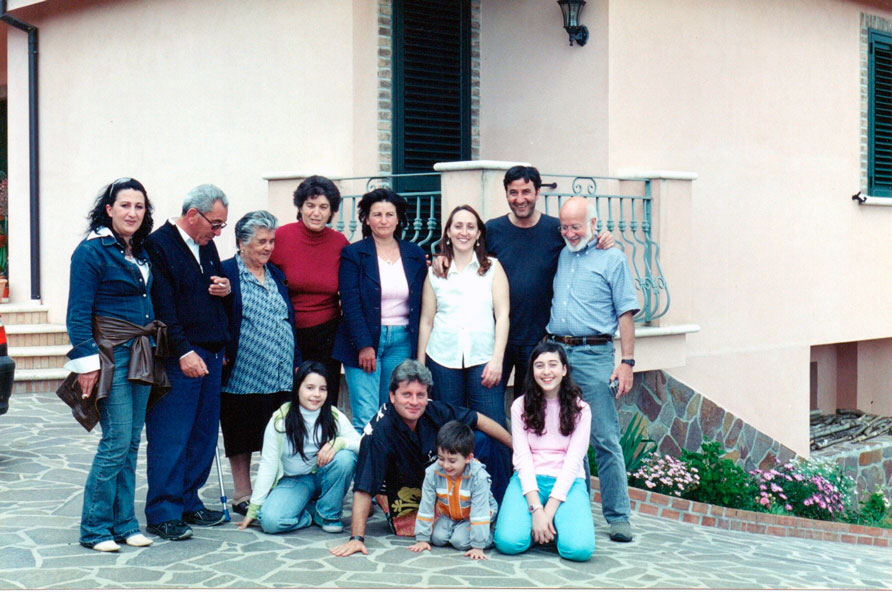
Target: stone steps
(38,347)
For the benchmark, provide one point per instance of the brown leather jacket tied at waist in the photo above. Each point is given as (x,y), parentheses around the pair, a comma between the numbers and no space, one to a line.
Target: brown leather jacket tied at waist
(146,366)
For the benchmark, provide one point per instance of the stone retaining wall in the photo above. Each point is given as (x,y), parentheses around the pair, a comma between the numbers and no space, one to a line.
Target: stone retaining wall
(680,418)
(675,508)
(869,463)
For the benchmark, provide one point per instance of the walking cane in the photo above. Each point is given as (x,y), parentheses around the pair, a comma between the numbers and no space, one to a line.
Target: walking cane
(220,479)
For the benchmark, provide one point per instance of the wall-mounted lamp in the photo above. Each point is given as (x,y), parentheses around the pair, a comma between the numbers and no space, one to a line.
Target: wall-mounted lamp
(571,10)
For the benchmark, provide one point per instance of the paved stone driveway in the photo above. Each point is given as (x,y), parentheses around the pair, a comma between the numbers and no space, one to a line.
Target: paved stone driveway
(45,456)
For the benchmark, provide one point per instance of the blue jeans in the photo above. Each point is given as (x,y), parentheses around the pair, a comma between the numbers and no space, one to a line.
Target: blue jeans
(368,391)
(461,387)
(573,520)
(181,430)
(286,507)
(592,366)
(108,495)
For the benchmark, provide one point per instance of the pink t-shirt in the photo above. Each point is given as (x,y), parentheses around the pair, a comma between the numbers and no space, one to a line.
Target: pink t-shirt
(394,293)
(552,453)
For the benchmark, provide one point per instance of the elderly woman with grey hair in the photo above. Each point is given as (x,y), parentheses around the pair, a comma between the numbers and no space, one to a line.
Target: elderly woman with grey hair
(262,351)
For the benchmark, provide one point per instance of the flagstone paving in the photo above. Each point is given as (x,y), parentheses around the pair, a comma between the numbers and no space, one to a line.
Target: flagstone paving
(45,456)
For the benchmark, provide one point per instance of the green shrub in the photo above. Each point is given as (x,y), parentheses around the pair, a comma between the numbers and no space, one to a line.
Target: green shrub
(875,511)
(722,482)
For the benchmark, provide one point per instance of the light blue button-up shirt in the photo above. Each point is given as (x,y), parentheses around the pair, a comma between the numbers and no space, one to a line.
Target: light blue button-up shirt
(592,289)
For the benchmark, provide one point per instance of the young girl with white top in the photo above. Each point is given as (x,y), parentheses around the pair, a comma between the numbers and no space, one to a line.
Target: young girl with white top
(547,499)
(307,462)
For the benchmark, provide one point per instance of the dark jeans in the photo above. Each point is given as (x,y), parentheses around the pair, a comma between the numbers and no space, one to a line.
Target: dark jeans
(517,357)
(316,344)
(461,387)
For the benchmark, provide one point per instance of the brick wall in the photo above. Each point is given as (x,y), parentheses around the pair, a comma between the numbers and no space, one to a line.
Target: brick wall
(674,508)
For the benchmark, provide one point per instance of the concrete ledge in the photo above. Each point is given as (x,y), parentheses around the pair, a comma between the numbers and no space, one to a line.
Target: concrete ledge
(286,175)
(656,174)
(476,165)
(869,200)
(682,510)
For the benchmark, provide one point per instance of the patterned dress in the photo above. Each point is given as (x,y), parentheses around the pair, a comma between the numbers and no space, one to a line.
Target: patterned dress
(265,357)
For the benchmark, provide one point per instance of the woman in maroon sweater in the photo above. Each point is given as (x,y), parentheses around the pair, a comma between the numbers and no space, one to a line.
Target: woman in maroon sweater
(309,252)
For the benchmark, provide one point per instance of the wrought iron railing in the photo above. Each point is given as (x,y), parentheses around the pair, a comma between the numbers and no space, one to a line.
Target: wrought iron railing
(424,205)
(623,206)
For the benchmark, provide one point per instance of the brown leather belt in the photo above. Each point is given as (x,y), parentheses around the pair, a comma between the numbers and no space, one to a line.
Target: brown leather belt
(589,340)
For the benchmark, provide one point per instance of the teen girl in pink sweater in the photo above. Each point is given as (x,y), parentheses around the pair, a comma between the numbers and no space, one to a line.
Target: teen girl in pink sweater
(546,499)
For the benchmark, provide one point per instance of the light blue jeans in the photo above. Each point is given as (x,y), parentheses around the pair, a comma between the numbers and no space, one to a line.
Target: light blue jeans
(108,494)
(368,391)
(591,367)
(573,520)
(289,505)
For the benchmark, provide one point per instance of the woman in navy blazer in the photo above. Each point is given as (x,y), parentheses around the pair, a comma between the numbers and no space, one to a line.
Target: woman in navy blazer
(260,361)
(380,281)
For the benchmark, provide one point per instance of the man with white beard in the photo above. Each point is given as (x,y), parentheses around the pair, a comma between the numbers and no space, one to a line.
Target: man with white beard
(593,295)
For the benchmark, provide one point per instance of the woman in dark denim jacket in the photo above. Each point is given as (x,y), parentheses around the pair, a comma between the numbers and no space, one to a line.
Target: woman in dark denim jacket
(110,276)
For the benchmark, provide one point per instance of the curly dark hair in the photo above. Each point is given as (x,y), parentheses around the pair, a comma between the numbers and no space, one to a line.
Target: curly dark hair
(98,217)
(479,249)
(387,195)
(314,186)
(569,394)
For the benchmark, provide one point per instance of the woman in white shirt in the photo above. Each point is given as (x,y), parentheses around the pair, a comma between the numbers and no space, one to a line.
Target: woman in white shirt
(464,327)
(307,462)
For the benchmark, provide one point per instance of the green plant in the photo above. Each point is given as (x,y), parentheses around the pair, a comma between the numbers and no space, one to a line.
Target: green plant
(634,442)
(722,482)
(874,511)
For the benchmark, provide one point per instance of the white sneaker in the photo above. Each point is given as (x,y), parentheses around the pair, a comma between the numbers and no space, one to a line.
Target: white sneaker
(138,540)
(107,546)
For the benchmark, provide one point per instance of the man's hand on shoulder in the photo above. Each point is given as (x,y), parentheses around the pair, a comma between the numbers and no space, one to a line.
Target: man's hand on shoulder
(440,266)
(605,240)
(349,548)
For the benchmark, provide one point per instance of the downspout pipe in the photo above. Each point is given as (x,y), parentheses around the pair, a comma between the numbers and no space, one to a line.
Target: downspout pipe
(34,160)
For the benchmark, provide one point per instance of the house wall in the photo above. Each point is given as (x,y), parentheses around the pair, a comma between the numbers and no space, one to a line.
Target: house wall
(761,100)
(181,93)
(542,101)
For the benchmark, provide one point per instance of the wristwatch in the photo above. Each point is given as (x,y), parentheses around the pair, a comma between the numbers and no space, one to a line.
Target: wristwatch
(358,537)
(629,361)
(534,508)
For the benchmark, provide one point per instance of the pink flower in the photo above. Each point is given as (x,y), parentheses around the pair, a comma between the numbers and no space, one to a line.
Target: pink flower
(764,501)
(788,507)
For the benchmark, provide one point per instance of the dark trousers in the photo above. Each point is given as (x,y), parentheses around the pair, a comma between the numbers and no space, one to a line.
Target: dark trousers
(181,430)
(461,387)
(517,358)
(316,344)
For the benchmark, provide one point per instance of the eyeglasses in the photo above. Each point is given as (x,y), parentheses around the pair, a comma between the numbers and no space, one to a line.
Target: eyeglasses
(573,227)
(215,225)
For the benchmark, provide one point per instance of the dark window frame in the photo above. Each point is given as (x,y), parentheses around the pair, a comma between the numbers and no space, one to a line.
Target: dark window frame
(879,114)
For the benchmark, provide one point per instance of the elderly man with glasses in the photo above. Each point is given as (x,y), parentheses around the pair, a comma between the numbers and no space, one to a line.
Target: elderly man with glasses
(593,296)
(181,428)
